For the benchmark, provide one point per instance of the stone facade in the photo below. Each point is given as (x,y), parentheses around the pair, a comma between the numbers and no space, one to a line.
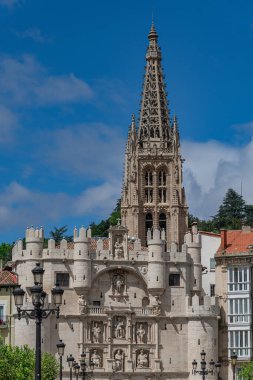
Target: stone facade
(133,305)
(133,310)
(153,196)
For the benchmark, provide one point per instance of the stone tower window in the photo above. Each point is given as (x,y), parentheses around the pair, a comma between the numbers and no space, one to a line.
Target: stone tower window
(148,222)
(148,187)
(162,221)
(162,187)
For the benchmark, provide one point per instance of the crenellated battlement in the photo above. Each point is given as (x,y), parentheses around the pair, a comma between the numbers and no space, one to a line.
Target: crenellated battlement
(196,305)
(82,235)
(34,234)
(192,238)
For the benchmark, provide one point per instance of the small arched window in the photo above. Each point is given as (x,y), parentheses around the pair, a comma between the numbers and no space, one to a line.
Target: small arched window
(162,221)
(148,187)
(148,222)
(162,191)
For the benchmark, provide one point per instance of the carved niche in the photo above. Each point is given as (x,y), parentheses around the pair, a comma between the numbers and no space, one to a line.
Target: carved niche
(96,357)
(118,284)
(141,330)
(142,358)
(118,364)
(97,332)
(119,327)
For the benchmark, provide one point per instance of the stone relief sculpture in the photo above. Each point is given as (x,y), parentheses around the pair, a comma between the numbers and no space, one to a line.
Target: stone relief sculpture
(83,307)
(118,360)
(118,283)
(118,249)
(96,332)
(142,359)
(156,306)
(141,333)
(96,358)
(120,327)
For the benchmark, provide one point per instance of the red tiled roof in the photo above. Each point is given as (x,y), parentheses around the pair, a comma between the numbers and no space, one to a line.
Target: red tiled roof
(237,241)
(8,278)
(209,233)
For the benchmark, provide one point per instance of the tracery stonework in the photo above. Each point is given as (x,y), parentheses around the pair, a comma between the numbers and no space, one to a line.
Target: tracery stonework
(153,163)
(122,308)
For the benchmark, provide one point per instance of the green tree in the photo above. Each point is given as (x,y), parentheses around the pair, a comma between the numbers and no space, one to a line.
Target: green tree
(5,252)
(246,373)
(101,229)
(60,233)
(248,221)
(19,362)
(231,212)
(49,367)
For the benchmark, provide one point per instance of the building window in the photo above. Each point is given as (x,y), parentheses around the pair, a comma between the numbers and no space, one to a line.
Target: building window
(162,187)
(162,222)
(62,279)
(212,264)
(239,310)
(96,303)
(174,279)
(238,279)
(148,223)
(239,341)
(212,290)
(149,187)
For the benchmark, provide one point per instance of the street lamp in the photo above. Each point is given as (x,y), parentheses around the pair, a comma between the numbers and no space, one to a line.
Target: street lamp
(77,370)
(205,371)
(83,366)
(70,360)
(38,312)
(233,358)
(60,348)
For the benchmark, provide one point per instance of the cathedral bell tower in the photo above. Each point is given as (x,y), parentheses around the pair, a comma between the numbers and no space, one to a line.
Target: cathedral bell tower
(152,195)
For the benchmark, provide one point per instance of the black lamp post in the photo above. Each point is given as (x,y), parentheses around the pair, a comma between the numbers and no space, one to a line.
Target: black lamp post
(205,371)
(233,358)
(60,348)
(77,370)
(83,366)
(38,312)
(70,360)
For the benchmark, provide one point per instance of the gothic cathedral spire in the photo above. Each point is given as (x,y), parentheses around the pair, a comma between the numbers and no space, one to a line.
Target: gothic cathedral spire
(152,194)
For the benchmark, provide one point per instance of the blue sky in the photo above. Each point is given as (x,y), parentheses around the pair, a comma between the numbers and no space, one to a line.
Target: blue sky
(70,78)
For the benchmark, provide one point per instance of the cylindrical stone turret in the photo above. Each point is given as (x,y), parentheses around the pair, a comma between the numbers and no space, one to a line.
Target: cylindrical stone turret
(156,285)
(193,241)
(82,262)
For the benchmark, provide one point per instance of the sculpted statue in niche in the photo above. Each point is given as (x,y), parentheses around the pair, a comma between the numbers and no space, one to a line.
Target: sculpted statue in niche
(83,308)
(118,360)
(119,327)
(156,306)
(118,282)
(141,333)
(96,332)
(142,359)
(118,249)
(96,358)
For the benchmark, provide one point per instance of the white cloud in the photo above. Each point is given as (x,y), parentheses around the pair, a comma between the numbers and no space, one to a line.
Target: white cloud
(10,3)
(34,34)
(213,167)
(25,82)
(95,150)
(20,206)
(8,125)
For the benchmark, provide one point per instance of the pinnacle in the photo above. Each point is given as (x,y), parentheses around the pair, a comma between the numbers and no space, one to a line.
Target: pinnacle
(152,34)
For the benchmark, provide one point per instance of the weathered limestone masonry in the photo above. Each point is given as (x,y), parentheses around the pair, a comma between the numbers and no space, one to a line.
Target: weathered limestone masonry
(135,311)
(152,194)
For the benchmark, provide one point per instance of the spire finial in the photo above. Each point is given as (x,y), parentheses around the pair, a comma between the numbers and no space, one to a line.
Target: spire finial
(152,34)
